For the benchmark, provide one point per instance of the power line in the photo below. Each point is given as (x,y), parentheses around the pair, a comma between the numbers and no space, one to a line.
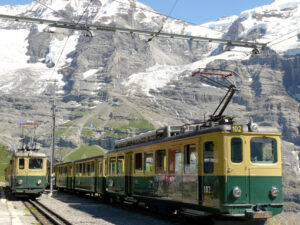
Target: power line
(162,26)
(53,10)
(89,27)
(169,16)
(54,107)
(268,44)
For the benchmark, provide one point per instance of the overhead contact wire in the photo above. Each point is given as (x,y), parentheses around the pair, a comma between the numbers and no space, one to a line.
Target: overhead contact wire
(162,26)
(172,17)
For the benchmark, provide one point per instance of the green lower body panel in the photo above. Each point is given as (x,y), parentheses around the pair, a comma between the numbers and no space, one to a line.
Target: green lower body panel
(86,184)
(115,185)
(255,195)
(61,182)
(100,185)
(28,184)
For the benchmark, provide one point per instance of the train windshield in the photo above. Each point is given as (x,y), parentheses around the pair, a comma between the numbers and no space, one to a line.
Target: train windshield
(35,163)
(21,164)
(263,150)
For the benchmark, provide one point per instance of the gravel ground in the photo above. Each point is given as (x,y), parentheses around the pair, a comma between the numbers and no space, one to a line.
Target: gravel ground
(79,210)
(285,218)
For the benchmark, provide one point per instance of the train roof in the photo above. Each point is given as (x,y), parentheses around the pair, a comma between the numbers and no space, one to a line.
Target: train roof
(80,160)
(169,133)
(28,154)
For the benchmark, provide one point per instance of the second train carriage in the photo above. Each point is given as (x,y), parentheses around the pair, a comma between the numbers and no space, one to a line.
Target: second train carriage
(230,170)
(83,175)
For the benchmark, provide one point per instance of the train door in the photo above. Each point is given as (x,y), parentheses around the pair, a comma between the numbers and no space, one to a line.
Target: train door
(22,171)
(237,174)
(264,169)
(190,183)
(70,177)
(210,181)
(129,173)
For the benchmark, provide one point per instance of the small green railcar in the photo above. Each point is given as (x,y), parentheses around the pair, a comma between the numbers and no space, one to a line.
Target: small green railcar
(229,170)
(26,172)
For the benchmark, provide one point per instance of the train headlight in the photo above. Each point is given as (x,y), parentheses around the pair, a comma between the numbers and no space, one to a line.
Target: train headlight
(274,192)
(39,182)
(20,182)
(236,192)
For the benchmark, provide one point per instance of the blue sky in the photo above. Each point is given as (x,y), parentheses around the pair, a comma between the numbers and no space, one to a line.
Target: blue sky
(196,11)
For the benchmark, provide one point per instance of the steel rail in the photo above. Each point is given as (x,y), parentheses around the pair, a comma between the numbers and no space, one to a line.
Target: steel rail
(45,215)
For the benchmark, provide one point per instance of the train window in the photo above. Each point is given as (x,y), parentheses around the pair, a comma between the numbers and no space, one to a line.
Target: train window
(88,169)
(112,166)
(138,162)
(161,161)
(175,161)
(236,150)
(263,150)
(83,168)
(80,169)
(21,164)
(35,163)
(190,159)
(92,169)
(148,162)
(100,168)
(106,166)
(208,157)
(120,164)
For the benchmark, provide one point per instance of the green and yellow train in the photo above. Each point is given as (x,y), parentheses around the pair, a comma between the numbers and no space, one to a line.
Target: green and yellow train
(26,173)
(229,170)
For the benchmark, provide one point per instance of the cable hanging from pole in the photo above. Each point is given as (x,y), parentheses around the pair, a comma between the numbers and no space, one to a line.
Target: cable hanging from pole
(162,26)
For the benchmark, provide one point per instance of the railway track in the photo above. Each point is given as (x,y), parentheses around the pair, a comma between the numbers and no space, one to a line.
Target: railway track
(43,214)
(180,218)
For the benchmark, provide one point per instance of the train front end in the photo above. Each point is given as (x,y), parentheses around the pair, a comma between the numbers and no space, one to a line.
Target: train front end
(253,173)
(29,175)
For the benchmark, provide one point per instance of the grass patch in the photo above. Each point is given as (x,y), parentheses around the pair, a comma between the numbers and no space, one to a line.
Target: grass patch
(87,132)
(5,155)
(84,152)
(64,129)
(60,131)
(140,124)
(134,126)
(96,123)
(114,134)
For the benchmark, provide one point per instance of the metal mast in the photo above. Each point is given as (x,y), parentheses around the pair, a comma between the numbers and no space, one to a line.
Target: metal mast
(53,142)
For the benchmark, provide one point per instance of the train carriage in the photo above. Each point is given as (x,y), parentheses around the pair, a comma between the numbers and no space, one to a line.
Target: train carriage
(63,176)
(229,170)
(214,170)
(81,175)
(26,173)
(115,175)
(85,175)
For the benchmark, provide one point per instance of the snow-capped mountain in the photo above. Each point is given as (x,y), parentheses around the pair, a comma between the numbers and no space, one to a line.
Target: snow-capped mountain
(113,78)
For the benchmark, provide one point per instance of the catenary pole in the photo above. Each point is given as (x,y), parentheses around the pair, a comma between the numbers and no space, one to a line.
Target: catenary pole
(53,143)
